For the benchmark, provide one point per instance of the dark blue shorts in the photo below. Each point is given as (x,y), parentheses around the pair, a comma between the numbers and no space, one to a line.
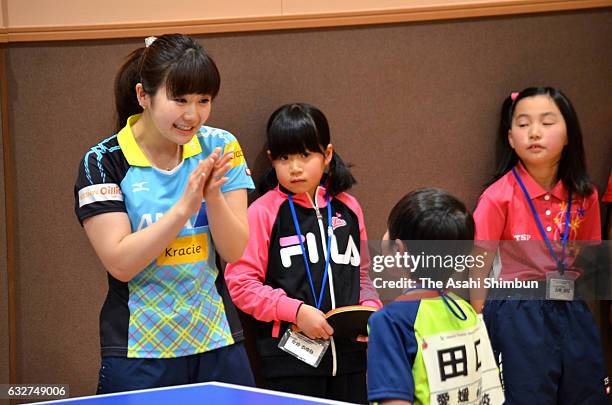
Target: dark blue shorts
(549,352)
(228,364)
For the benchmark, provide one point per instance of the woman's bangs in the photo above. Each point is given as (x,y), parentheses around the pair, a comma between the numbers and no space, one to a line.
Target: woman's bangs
(193,74)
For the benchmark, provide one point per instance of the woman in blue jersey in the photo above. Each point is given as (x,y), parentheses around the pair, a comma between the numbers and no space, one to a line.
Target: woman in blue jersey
(157,201)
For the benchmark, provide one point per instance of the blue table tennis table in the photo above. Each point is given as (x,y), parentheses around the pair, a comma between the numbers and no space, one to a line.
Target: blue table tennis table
(210,393)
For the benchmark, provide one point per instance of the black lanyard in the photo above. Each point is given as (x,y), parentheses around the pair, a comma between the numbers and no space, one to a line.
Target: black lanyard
(560,263)
(330,233)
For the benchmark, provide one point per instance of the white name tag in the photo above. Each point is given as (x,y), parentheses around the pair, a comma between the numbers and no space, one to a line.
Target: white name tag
(559,287)
(310,351)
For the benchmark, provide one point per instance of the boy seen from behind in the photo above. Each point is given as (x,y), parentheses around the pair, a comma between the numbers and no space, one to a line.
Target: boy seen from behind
(429,346)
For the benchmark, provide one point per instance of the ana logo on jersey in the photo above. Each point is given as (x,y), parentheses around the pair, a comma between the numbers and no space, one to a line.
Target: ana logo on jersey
(136,187)
(290,247)
(201,219)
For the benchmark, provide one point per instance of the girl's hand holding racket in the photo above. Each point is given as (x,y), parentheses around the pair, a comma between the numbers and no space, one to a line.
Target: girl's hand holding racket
(312,323)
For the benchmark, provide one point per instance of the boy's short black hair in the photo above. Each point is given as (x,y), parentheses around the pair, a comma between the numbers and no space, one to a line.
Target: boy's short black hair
(434,224)
(430,214)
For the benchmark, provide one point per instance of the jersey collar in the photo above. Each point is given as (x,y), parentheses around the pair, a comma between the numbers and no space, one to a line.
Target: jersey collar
(135,156)
(534,189)
(302,199)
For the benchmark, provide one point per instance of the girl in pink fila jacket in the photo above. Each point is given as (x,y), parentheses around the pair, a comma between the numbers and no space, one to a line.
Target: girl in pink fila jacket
(304,258)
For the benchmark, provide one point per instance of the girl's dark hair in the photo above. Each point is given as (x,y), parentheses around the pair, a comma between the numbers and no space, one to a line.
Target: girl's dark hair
(430,214)
(297,128)
(572,167)
(175,60)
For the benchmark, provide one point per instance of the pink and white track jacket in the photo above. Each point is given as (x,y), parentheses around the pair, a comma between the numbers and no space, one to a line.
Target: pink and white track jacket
(270,281)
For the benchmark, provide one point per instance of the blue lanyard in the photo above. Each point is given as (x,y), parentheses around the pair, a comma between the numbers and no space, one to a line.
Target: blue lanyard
(446,298)
(330,232)
(560,264)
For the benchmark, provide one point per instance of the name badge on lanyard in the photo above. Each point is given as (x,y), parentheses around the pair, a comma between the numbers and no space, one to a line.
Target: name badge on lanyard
(559,285)
(310,351)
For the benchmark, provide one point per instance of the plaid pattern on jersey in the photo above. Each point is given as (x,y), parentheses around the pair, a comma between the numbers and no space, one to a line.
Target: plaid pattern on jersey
(176,311)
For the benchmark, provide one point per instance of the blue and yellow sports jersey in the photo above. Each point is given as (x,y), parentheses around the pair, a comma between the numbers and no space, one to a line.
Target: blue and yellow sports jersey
(431,348)
(173,307)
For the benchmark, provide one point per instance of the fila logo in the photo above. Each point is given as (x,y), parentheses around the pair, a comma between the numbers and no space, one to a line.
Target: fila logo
(291,247)
(136,187)
(522,236)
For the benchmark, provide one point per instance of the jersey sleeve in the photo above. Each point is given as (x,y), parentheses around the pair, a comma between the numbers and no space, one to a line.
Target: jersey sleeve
(245,278)
(392,350)
(489,220)
(368,295)
(98,186)
(590,228)
(239,175)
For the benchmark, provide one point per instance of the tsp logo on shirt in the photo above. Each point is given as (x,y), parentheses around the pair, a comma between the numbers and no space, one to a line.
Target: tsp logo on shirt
(522,236)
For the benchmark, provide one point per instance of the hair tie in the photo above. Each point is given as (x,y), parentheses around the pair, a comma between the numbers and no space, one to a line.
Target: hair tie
(149,40)
(514,95)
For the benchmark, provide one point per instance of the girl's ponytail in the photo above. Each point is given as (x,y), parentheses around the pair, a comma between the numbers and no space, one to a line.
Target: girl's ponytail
(267,182)
(126,103)
(340,177)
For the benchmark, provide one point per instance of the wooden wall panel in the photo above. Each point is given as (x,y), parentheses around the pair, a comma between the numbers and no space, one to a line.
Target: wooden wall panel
(411,105)
(3,13)
(96,19)
(50,13)
(338,6)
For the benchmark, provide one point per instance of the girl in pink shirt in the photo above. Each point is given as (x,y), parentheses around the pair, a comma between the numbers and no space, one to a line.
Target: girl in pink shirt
(541,200)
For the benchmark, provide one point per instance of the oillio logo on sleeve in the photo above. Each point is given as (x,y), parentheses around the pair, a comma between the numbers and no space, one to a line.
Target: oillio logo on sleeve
(238,156)
(187,249)
(100,192)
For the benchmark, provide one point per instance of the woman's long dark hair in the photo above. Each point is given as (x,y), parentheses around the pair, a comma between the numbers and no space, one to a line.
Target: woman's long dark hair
(572,167)
(297,128)
(175,60)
